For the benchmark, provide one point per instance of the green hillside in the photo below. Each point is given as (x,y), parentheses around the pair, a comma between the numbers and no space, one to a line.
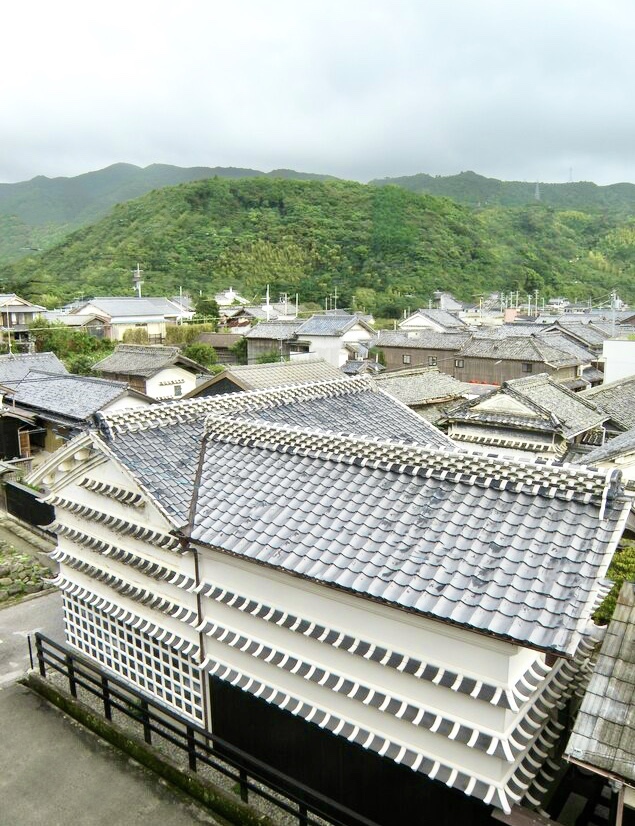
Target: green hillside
(477,191)
(39,212)
(385,249)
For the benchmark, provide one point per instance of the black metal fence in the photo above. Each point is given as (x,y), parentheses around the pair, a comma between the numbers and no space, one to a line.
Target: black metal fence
(154,720)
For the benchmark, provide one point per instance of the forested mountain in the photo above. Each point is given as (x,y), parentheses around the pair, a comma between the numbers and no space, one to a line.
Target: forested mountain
(38,213)
(385,249)
(477,191)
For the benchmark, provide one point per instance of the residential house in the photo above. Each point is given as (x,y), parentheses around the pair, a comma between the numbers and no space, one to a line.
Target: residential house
(159,372)
(424,389)
(603,737)
(392,622)
(229,298)
(91,324)
(618,356)
(152,315)
(40,411)
(533,415)
(260,376)
(16,314)
(271,339)
(420,348)
(438,320)
(223,344)
(15,366)
(327,336)
(617,399)
(495,360)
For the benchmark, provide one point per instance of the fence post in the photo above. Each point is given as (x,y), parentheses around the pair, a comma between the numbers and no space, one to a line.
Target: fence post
(70,665)
(39,650)
(244,791)
(28,639)
(303,819)
(145,716)
(191,748)
(106,694)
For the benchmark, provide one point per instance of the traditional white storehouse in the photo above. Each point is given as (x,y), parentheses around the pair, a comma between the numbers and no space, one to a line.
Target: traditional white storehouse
(390,621)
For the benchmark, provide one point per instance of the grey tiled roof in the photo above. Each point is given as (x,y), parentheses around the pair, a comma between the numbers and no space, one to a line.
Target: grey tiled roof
(278,330)
(420,339)
(587,333)
(144,360)
(422,385)
(604,731)
(553,407)
(441,317)
(278,374)
(618,446)
(617,398)
(160,444)
(329,325)
(72,397)
(16,367)
(131,306)
(507,548)
(563,342)
(522,348)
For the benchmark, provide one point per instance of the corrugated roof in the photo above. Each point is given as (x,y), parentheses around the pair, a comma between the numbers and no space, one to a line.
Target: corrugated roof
(14,367)
(504,547)
(422,385)
(144,360)
(617,398)
(161,443)
(604,732)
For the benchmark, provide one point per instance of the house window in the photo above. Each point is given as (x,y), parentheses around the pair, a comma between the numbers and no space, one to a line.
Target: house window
(135,657)
(406,358)
(458,362)
(432,361)
(527,367)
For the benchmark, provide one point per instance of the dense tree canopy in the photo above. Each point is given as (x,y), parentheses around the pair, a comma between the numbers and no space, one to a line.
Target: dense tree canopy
(381,249)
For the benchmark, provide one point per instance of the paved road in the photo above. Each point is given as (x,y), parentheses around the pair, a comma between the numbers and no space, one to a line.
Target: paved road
(17,622)
(54,772)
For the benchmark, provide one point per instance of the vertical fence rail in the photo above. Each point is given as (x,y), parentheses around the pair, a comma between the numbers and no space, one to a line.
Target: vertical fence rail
(201,747)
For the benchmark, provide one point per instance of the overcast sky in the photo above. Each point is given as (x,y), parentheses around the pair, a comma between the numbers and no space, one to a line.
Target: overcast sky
(513,89)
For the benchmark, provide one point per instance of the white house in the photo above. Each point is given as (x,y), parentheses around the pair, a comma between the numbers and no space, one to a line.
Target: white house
(160,372)
(326,336)
(388,620)
(132,313)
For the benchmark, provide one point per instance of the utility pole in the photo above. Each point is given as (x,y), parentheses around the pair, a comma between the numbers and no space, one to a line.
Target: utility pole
(137,281)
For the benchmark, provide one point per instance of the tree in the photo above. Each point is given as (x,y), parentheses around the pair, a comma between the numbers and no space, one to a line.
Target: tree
(201,353)
(207,308)
(239,349)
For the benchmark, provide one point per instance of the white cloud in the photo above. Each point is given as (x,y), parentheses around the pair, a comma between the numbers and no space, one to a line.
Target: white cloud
(358,88)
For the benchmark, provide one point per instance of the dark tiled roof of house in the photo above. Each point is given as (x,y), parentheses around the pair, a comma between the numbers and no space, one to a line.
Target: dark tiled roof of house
(119,306)
(510,548)
(335,324)
(551,406)
(521,348)
(161,443)
(76,398)
(280,374)
(277,330)
(14,367)
(422,385)
(420,339)
(617,399)
(144,360)
(618,446)
(604,732)
(563,342)
(442,317)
